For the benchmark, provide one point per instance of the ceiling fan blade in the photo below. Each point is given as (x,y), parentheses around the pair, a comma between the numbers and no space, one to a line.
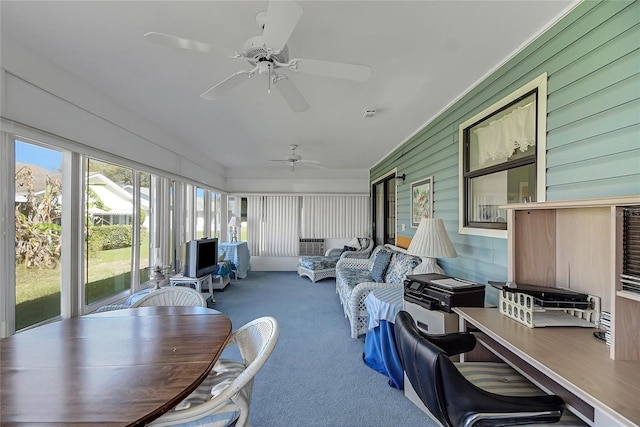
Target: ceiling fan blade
(290,93)
(175,41)
(282,18)
(227,84)
(340,70)
(313,164)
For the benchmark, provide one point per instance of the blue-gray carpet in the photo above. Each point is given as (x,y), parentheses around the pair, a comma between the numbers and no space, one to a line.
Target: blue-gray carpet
(315,376)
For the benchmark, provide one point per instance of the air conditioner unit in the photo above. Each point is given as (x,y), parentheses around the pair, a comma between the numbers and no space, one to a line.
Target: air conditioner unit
(311,247)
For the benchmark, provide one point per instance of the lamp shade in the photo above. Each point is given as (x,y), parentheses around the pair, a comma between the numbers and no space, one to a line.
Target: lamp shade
(431,240)
(234,222)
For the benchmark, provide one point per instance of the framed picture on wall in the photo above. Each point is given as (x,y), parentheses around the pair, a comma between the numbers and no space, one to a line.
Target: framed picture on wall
(421,200)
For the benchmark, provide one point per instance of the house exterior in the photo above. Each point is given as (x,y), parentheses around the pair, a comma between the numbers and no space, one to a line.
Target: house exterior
(116,203)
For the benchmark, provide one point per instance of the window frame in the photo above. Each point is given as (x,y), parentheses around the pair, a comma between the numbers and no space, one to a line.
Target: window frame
(74,178)
(539,85)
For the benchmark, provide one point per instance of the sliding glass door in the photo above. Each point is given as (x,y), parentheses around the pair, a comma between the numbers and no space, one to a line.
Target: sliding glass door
(38,233)
(384,210)
(109,213)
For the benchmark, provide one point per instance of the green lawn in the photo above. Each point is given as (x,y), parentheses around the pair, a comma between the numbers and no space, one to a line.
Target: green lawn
(38,289)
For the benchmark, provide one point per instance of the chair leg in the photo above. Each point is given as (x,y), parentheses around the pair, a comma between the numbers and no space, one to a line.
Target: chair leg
(243,419)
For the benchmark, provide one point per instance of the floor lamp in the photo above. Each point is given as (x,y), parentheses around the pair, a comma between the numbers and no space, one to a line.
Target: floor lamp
(431,241)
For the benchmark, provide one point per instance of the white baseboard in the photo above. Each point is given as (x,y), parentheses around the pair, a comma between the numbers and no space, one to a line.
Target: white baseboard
(265,263)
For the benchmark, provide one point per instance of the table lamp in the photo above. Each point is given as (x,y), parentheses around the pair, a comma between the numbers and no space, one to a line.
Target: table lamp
(431,241)
(234,223)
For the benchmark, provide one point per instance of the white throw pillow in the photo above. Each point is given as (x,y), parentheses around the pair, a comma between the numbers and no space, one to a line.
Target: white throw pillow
(355,243)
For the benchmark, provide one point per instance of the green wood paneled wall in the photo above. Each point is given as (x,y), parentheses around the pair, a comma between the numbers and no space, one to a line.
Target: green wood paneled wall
(592,58)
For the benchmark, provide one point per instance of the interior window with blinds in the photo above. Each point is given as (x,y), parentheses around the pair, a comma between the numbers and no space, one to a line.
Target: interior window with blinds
(631,249)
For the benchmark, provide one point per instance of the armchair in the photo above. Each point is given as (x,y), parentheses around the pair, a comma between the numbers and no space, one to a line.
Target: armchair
(175,295)
(362,248)
(224,397)
(448,391)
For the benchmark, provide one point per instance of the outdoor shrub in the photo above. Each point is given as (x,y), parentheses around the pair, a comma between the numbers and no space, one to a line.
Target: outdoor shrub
(37,222)
(105,237)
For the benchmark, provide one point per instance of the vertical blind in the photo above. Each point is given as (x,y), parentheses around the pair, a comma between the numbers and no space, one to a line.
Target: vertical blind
(275,223)
(630,276)
(335,217)
(272,225)
(254,210)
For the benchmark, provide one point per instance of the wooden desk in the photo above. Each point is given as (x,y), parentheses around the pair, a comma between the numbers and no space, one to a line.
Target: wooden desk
(568,362)
(117,368)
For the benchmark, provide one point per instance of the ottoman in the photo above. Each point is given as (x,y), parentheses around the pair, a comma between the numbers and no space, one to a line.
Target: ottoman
(317,267)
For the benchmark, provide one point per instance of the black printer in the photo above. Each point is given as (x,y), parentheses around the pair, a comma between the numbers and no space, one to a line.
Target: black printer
(439,292)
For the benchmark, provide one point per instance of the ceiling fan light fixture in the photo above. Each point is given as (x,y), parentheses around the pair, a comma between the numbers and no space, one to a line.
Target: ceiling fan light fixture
(264,67)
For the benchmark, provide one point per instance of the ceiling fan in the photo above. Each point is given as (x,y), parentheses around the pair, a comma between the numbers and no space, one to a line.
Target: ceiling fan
(268,53)
(295,159)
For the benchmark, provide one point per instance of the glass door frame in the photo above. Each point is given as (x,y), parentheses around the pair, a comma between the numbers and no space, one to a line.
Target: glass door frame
(383,183)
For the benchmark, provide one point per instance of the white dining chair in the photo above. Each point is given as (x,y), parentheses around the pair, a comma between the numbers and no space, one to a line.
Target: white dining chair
(224,397)
(174,295)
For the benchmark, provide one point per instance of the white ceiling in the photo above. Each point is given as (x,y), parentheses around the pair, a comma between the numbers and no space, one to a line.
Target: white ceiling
(424,55)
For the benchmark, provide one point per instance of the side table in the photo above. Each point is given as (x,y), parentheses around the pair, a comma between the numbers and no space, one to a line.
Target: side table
(380,351)
(238,254)
(197,283)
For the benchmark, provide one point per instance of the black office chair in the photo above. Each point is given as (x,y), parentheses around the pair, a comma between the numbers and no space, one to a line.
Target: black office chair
(450,397)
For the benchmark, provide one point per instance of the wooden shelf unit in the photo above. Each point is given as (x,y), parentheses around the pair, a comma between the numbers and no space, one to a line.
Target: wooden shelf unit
(578,245)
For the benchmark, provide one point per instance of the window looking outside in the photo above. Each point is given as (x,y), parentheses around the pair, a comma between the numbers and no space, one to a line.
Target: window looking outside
(200,217)
(145,232)
(215,215)
(242,231)
(38,192)
(189,218)
(109,230)
(502,159)
(126,217)
(172,226)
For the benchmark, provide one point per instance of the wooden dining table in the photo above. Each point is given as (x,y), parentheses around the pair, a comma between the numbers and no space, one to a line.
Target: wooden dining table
(117,368)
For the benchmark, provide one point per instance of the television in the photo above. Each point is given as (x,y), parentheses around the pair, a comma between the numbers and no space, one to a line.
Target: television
(200,257)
